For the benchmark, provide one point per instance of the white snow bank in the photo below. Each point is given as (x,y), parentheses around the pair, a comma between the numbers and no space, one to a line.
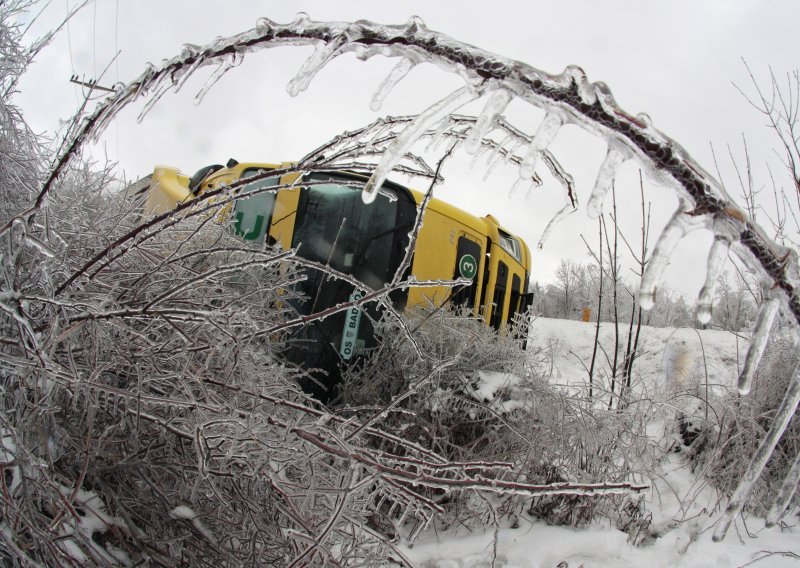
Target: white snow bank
(683,506)
(668,357)
(537,545)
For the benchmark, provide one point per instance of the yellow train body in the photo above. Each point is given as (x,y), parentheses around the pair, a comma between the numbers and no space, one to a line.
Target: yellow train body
(435,257)
(324,217)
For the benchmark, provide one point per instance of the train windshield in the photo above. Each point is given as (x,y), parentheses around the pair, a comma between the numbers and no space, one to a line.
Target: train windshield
(334,227)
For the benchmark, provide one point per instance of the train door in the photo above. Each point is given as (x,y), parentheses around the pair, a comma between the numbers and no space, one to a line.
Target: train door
(499,296)
(505,279)
(469,256)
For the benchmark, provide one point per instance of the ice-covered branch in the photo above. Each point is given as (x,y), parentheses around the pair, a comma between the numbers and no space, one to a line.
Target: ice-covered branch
(476,482)
(569,96)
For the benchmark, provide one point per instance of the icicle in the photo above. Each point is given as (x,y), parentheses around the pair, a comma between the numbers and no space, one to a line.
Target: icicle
(478,155)
(615,156)
(676,229)
(265,26)
(784,497)
(544,136)
(497,152)
(188,52)
(160,90)
(113,402)
(780,421)
(107,115)
(405,139)
(534,184)
(514,186)
(605,97)
(301,20)
(415,23)
(585,89)
(716,258)
(497,155)
(185,74)
(438,136)
(227,64)
(758,341)
(787,491)
(644,119)
(495,105)
(406,511)
(145,79)
(39,245)
(323,53)
(398,72)
(557,218)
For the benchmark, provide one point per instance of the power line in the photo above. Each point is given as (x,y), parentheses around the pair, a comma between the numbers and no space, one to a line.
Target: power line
(69,45)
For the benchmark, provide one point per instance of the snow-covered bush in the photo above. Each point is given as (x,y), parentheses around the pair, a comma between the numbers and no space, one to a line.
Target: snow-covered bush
(144,415)
(738,425)
(479,397)
(440,403)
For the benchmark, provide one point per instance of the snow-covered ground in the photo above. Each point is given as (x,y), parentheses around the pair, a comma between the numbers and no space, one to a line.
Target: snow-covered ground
(683,506)
(665,358)
(537,545)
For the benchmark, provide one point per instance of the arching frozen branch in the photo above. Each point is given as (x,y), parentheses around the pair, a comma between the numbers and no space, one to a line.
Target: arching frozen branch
(569,95)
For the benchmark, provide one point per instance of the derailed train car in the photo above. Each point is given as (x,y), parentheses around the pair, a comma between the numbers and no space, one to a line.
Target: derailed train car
(323,216)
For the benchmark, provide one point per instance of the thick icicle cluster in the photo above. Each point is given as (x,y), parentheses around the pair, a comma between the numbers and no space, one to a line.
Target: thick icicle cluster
(566,98)
(497,142)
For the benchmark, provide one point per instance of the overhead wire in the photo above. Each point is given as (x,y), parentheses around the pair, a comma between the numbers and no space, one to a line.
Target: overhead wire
(94,39)
(116,69)
(69,45)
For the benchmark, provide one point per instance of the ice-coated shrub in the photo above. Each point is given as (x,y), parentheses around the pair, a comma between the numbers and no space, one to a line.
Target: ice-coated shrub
(740,424)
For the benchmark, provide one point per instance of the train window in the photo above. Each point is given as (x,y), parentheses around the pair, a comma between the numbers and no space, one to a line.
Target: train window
(201,174)
(499,297)
(253,215)
(510,245)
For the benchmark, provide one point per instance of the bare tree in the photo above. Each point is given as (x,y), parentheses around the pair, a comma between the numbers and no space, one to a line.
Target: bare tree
(567,282)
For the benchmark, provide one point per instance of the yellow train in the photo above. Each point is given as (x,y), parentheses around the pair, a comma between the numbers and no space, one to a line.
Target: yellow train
(323,215)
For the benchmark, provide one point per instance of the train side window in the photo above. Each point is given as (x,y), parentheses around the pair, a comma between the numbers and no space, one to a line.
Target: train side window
(253,215)
(510,245)
(499,297)
(468,255)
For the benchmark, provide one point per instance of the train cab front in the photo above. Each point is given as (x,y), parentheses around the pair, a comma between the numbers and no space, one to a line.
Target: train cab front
(366,243)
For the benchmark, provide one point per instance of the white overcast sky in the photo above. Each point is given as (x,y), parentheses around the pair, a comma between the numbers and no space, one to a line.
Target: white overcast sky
(676,61)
